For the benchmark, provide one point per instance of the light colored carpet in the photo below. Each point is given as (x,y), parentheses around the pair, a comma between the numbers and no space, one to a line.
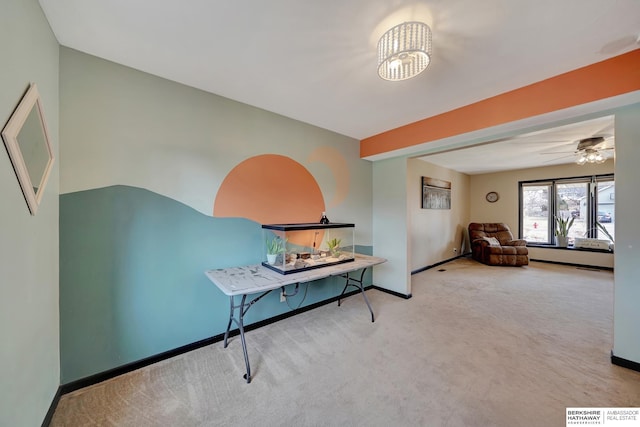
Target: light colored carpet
(475,346)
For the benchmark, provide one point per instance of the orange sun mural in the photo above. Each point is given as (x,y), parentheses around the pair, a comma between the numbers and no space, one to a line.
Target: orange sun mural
(270,189)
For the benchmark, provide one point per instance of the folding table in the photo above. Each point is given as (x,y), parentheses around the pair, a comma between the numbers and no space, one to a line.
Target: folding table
(256,279)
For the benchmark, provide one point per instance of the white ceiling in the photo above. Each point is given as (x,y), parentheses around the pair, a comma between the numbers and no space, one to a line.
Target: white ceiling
(315,61)
(548,147)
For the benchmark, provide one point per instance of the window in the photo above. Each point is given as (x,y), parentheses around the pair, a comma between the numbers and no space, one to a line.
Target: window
(571,202)
(590,201)
(534,225)
(606,212)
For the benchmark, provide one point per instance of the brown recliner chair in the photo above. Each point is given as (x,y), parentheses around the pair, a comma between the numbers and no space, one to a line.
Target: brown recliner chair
(493,244)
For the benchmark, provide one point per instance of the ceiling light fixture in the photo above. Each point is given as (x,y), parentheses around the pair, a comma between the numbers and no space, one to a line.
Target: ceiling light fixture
(590,156)
(404,51)
(588,151)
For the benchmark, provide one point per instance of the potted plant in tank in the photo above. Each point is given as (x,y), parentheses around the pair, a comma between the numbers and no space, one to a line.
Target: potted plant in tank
(563,225)
(334,247)
(275,246)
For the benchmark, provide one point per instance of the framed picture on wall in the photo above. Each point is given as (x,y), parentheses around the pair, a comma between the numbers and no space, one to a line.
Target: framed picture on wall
(27,140)
(436,193)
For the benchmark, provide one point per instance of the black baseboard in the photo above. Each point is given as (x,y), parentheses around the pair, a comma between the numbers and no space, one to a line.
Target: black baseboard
(394,293)
(428,267)
(571,264)
(629,364)
(120,370)
(52,408)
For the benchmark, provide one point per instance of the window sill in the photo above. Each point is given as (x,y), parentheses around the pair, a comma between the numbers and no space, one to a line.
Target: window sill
(569,248)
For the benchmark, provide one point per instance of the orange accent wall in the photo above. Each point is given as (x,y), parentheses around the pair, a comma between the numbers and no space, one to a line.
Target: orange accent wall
(612,77)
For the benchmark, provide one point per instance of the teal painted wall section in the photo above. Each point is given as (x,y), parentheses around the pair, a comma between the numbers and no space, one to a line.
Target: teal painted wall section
(133,257)
(132,281)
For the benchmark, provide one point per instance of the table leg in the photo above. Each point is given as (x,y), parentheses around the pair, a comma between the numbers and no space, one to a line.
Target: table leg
(243,307)
(358,284)
(226,334)
(246,376)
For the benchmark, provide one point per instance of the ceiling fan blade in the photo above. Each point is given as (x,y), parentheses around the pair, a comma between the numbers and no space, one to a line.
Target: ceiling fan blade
(558,158)
(558,141)
(606,131)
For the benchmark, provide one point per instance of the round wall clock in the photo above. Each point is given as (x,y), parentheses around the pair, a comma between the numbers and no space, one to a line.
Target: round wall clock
(492,197)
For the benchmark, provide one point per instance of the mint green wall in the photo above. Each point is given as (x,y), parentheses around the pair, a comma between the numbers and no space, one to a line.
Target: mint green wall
(141,161)
(29,353)
(391,224)
(122,126)
(626,316)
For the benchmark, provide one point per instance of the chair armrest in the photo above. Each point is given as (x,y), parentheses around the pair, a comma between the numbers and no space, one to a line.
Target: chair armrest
(516,242)
(481,241)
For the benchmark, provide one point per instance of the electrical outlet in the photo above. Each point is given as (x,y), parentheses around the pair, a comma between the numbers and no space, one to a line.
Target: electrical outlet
(283,297)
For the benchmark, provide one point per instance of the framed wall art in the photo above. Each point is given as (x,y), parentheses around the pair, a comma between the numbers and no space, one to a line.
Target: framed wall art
(436,193)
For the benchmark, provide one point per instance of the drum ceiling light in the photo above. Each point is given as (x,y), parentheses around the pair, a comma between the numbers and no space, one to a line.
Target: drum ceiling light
(404,51)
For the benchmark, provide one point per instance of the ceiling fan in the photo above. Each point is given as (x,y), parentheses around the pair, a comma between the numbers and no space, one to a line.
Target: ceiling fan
(588,150)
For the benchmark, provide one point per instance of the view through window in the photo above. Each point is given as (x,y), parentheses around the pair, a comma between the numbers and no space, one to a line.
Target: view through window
(606,212)
(589,201)
(535,213)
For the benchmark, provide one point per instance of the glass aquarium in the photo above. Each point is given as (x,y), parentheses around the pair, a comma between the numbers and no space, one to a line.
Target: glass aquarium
(291,248)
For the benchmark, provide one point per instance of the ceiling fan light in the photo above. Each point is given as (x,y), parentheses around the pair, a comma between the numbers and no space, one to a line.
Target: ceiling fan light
(582,159)
(590,155)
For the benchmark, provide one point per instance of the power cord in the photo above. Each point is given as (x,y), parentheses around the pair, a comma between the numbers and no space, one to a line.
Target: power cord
(286,296)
